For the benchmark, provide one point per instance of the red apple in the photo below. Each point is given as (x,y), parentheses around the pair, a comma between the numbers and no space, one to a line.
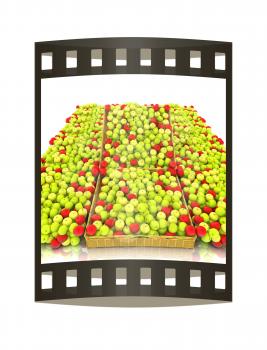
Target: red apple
(75,185)
(131,137)
(65,212)
(194,204)
(180,171)
(80,219)
(109,206)
(116,158)
(198,219)
(167,108)
(95,217)
(125,189)
(78,231)
(201,231)
(184,218)
(170,234)
(134,228)
(110,222)
(215,224)
(118,233)
(217,244)
(134,162)
(95,171)
(131,196)
(207,210)
(61,238)
(223,239)
(167,210)
(190,230)
(55,243)
(91,230)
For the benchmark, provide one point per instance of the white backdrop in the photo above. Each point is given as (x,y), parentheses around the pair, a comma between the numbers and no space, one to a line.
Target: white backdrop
(61,95)
(26,324)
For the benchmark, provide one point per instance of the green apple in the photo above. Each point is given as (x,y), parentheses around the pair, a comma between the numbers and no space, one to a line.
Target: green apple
(214,234)
(58,218)
(220,211)
(129,220)
(68,205)
(181,228)
(45,229)
(98,224)
(154,225)
(119,224)
(67,221)
(173,219)
(53,212)
(175,213)
(206,238)
(161,215)
(213,216)
(142,207)
(78,206)
(163,224)
(63,230)
(183,211)
(117,207)
(197,211)
(139,218)
(223,228)
(173,228)
(205,217)
(98,209)
(212,203)
(129,208)
(73,214)
(122,216)
(104,215)
(82,212)
(49,179)
(54,227)
(148,218)
(144,228)
(44,239)
(104,230)
(67,242)
(72,227)
(74,241)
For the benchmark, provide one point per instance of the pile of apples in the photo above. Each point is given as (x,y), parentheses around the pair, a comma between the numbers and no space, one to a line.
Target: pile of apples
(69,169)
(135,202)
(201,166)
(138,136)
(162,172)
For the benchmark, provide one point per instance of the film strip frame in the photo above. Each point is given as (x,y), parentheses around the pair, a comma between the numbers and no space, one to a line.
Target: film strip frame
(157,50)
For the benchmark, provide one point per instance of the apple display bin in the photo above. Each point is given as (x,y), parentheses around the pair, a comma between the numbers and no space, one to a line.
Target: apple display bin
(182,269)
(140,240)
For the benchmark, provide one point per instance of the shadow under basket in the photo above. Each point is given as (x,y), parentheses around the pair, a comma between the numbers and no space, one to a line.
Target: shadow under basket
(157,242)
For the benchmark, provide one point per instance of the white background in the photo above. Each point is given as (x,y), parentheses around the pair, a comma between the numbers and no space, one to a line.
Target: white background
(28,325)
(61,95)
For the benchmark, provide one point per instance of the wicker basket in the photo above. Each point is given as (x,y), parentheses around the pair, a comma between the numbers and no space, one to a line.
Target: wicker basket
(139,241)
(156,242)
